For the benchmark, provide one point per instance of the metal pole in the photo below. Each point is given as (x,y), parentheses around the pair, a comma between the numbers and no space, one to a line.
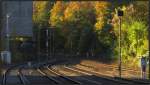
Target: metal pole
(39,44)
(7,32)
(47,42)
(53,43)
(71,41)
(149,41)
(0,23)
(50,43)
(120,60)
(50,50)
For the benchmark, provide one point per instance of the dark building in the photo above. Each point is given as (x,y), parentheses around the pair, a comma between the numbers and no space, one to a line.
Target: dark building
(19,22)
(20,17)
(15,25)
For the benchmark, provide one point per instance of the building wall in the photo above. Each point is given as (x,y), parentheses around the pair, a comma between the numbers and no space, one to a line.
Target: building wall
(19,24)
(20,21)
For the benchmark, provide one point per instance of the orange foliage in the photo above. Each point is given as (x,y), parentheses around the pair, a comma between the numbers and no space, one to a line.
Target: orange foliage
(101,8)
(57,13)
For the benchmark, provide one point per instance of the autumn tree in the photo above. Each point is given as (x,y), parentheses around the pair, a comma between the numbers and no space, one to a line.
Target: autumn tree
(71,18)
(104,29)
(102,10)
(92,27)
(77,22)
(81,15)
(40,21)
(57,14)
(56,20)
(41,12)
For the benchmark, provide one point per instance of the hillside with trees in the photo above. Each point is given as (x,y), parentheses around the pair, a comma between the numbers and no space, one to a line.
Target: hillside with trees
(90,28)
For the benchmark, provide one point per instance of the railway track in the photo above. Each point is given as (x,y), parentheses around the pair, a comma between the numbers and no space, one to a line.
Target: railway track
(115,67)
(12,76)
(15,76)
(103,79)
(56,76)
(55,73)
(115,79)
(112,70)
(75,76)
(42,75)
(37,76)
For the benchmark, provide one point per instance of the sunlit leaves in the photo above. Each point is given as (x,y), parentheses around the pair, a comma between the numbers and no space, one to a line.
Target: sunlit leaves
(80,12)
(40,13)
(101,8)
(57,12)
(134,30)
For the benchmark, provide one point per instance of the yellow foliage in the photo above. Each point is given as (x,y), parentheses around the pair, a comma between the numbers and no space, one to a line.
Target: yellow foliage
(72,7)
(76,7)
(101,8)
(98,25)
(57,12)
(39,6)
(38,10)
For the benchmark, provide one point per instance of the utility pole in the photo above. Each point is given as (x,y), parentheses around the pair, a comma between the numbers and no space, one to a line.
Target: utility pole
(7,32)
(149,40)
(38,43)
(47,43)
(71,46)
(53,43)
(120,14)
(120,57)
(0,23)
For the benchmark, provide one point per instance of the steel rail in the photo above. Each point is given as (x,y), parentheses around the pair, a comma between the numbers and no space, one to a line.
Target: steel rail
(85,79)
(104,77)
(45,75)
(60,75)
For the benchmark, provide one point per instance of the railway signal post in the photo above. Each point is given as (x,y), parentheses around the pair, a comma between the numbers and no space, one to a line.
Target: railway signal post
(120,14)
(6,55)
(149,41)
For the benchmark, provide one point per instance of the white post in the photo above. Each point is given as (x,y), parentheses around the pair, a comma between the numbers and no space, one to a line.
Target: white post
(8,53)
(7,32)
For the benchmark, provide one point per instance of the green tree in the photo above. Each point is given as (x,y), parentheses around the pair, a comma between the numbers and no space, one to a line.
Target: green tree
(82,17)
(104,29)
(71,18)
(134,31)
(56,19)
